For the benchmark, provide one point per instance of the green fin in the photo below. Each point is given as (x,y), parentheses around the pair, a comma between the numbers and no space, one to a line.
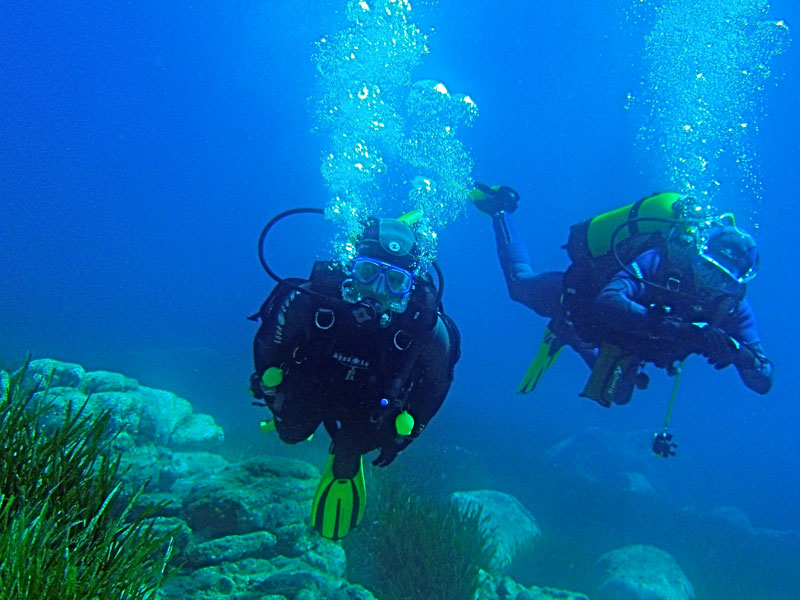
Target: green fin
(338,503)
(544,359)
(613,376)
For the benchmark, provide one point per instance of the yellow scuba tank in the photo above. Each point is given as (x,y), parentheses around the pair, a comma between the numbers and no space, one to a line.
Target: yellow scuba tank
(594,237)
(601,246)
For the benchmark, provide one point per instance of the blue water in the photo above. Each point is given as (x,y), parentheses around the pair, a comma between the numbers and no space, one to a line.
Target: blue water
(145,144)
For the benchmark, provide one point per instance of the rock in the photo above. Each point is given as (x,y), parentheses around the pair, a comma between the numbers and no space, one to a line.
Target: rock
(223,580)
(260,579)
(232,548)
(180,533)
(275,467)
(171,506)
(640,573)
(299,541)
(124,410)
(249,496)
(606,458)
(292,576)
(196,432)
(105,381)
(141,465)
(180,469)
(139,416)
(161,412)
(61,400)
(63,374)
(733,525)
(505,588)
(515,529)
(735,517)
(639,484)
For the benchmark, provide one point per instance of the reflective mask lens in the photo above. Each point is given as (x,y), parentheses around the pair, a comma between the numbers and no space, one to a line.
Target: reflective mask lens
(711,277)
(365,271)
(399,281)
(738,266)
(379,274)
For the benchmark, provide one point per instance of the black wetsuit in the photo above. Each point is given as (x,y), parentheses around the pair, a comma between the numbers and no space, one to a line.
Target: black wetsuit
(344,367)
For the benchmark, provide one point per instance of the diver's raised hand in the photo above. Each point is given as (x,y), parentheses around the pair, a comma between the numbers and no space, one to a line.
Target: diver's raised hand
(492,200)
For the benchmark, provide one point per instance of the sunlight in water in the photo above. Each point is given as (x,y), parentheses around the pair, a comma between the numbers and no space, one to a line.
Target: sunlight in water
(702,97)
(391,144)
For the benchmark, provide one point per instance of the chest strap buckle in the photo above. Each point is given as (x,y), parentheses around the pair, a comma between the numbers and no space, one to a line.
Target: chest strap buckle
(402,340)
(673,284)
(324,318)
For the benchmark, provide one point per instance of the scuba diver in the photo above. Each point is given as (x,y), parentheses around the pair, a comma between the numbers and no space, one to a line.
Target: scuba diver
(654,281)
(686,298)
(364,349)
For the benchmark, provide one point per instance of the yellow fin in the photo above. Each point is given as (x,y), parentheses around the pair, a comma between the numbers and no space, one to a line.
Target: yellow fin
(339,503)
(545,357)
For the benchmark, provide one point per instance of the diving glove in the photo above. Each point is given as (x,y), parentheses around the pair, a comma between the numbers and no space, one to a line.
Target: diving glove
(495,199)
(673,330)
(390,450)
(718,347)
(387,455)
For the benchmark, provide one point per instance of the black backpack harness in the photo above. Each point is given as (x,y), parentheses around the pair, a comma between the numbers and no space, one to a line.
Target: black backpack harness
(336,336)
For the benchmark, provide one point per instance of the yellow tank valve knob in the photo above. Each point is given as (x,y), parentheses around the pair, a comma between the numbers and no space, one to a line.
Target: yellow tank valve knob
(272,377)
(266,426)
(404,423)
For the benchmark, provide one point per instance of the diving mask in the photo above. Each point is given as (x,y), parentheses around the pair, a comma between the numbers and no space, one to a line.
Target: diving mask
(382,276)
(387,284)
(727,259)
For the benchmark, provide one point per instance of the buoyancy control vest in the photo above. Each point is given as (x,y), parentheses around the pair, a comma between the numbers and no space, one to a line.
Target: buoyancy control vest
(602,246)
(346,347)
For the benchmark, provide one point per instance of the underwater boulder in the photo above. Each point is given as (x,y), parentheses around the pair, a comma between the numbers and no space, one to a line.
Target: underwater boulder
(196,431)
(732,526)
(607,458)
(181,535)
(732,517)
(61,399)
(514,528)
(231,548)
(298,540)
(161,413)
(639,484)
(258,493)
(261,579)
(106,381)
(505,588)
(640,572)
(124,410)
(138,415)
(60,374)
(180,470)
